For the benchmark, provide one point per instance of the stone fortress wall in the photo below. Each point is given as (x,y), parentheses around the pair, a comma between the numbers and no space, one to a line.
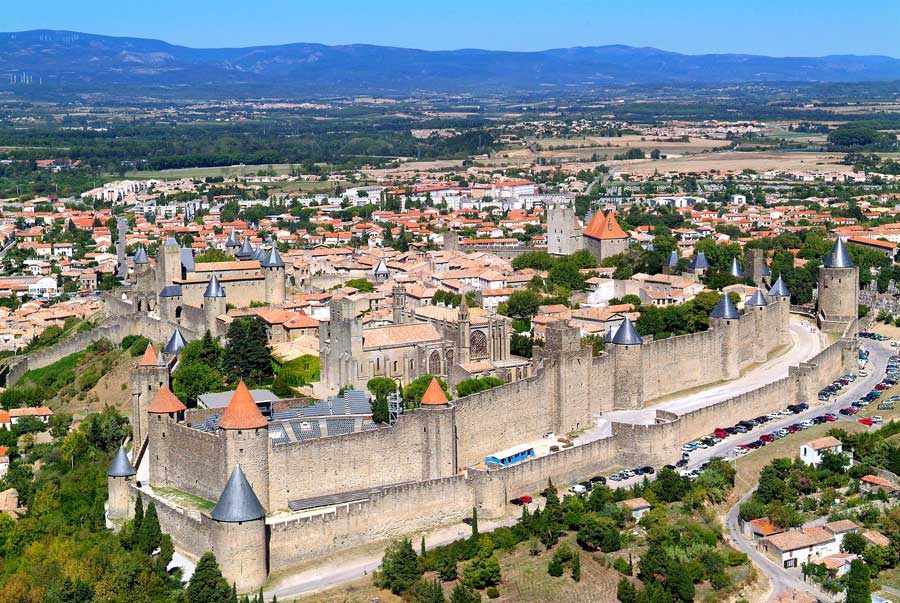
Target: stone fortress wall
(426,469)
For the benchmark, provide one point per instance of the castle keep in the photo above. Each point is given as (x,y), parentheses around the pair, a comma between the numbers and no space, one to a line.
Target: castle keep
(287,489)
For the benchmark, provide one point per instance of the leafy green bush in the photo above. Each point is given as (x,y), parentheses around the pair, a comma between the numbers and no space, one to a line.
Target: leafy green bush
(492,592)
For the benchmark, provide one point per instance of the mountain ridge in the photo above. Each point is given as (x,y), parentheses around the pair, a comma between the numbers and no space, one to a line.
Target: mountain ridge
(68,59)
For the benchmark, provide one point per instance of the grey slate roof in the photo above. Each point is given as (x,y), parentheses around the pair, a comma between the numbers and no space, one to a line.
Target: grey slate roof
(725,309)
(238,501)
(839,256)
(381,268)
(121,466)
(274,259)
(779,289)
(735,268)
(765,270)
(140,256)
(170,291)
(187,259)
(214,288)
(246,250)
(700,262)
(627,334)
(171,242)
(232,240)
(259,254)
(673,259)
(222,399)
(757,299)
(176,342)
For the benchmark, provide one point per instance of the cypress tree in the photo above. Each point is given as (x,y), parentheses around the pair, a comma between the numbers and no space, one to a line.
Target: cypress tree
(149,536)
(207,584)
(138,513)
(859,583)
(474,522)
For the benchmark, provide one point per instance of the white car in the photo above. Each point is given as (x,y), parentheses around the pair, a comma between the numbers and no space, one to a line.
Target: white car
(877,419)
(741,451)
(578,489)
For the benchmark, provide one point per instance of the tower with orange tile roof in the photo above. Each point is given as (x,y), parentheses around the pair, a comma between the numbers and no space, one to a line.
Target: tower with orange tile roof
(151,373)
(164,411)
(246,434)
(603,236)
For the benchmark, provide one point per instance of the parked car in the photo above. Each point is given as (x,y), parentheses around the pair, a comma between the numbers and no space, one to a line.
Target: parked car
(578,489)
(598,479)
(877,419)
(865,421)
(648,470)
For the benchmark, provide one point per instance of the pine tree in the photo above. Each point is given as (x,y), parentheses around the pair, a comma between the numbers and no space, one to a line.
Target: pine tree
(859,583)
(399,568)
(576,568)
(422,548)
(626,592)
(207,584)
(463,594)
(138,513)
(149,535)
(474,522)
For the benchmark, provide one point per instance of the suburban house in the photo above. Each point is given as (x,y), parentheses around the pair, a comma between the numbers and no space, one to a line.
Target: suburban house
(839,563)
(757,529)
(811,452)
(41,413)
(797,547)
(839,528)
(871,484)
(637,506)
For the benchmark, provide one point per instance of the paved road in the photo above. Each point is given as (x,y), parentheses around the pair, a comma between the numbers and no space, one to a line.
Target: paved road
(806,343)
(780,578)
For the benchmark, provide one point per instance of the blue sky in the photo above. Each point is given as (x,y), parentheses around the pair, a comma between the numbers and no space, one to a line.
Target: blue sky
(779,28)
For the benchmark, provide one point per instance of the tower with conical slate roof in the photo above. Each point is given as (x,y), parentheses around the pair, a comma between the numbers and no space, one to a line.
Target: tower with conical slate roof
(214,305)
(838,294)
(671,265)
(238,534)
(118,480)
(781,297)
(274,271)
(758,308)
(165,410)
(628,361)
(725,320)
(146,379)
(246,434)
(381,272)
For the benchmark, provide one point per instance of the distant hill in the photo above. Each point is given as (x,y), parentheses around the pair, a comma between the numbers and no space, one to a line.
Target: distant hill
(87,62)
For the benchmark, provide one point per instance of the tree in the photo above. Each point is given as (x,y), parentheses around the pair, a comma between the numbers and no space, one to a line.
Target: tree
(360,284)
(427,591)
(859,584)
(853,542)
(213,255)
(207,584)
(576,568)
(599,533)
(399,568)
(467,387)
(626,592)
(149,535)
(523,304)
(246,353)
(463,594)
(381,386)
(193,379)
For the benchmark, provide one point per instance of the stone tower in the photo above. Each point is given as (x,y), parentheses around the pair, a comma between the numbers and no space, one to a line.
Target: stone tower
(238,534)
(171,303)
(118,480)
(165,410)
(782,296)
(437,434)
(146,379)
(451,241)
(568,360)
(273,269)
(756,265)
(725,319)
(169,268)
(214,305)
(398,302)
(563,230)
(246,433)
(464,334)
(628,367)
(698,265)
(757,306)
(340,345)
(838,301)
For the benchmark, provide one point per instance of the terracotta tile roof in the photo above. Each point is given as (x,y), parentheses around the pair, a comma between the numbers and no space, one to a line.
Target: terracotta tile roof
(636,503)
(842,525)
(4,416)
(242,412)
(879,481)
(605,228)
(876,538)
(395,335)
(798,539)
(764,526)
(434,395)
(165,402)
(35,411)
(825,442)
(149,357)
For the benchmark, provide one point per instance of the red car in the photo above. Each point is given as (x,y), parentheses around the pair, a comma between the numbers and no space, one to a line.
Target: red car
(866,421)
(766,438)
(721,434)
(525,499)
(830,418)
(881,387)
